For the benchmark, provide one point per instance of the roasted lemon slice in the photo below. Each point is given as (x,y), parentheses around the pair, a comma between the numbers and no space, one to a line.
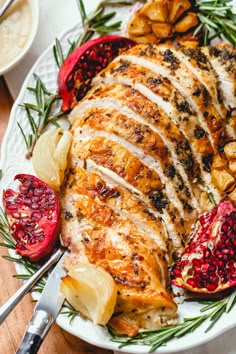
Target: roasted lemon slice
(91,291)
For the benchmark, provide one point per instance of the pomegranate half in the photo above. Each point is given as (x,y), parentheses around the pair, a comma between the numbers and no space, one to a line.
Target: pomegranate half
(78,70)
(208,264)
(33,214)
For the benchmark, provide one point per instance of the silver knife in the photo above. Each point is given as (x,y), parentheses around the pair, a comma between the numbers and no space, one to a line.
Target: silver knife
(45,312)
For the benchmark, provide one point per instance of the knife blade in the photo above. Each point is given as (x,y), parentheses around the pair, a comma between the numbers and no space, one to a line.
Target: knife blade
(45,312)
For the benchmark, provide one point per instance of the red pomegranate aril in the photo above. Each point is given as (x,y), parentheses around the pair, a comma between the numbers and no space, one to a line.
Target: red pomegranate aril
(11,207)
(34,232)
(214,243)
(191,282)
(16,215)
(212,287)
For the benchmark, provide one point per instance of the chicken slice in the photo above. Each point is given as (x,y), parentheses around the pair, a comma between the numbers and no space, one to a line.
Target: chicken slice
(121,202)
(223,60)
(192,56)
(165,63)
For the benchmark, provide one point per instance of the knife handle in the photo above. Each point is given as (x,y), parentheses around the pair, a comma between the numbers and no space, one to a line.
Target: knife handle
(35,332)
(30,344)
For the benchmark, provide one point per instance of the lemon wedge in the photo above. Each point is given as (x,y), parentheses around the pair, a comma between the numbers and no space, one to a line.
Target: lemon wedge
(91,291)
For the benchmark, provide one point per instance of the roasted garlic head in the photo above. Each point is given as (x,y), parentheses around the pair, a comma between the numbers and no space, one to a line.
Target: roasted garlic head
(161,19)
(224,170)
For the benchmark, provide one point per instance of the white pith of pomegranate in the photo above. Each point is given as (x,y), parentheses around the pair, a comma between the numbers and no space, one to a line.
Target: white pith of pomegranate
(33,214)
(208,264)
(78,70)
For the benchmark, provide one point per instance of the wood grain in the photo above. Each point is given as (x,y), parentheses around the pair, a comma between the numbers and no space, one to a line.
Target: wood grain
(12,329)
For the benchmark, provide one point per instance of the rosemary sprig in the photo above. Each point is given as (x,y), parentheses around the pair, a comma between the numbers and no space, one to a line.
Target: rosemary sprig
(217,19)
(39,114)
(69,311)
(212,311)
(95,23)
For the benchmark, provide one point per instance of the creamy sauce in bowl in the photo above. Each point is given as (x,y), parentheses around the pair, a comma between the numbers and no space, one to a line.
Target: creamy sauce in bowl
(15,31)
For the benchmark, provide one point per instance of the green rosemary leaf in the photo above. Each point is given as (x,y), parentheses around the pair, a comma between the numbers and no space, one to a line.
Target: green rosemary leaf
(39,94)
(71,48)
(190,326)
(55,56)
(12,259)
(107,29)
(31,89)
(231,302)
(58,54)
(82,11)
(107,17)
(3,244)
(87,37)
(55,123)
(32,106)
(31,120)
(215,318)
(92,17)
(69,311)
(45,90)
(210,305)
(22,276)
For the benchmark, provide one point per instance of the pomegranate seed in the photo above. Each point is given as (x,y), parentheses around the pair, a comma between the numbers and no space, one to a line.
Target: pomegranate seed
(16,215)
(191,282)
(212,287)
(205,267)
(11,207)
(23,189)
(36,216)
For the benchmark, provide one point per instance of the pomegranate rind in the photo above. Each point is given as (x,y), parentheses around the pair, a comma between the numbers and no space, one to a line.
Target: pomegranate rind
(48,222)
(71,67)
(208,264)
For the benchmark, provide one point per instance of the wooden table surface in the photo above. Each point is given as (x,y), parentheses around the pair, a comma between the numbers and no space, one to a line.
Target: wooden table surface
(12,329)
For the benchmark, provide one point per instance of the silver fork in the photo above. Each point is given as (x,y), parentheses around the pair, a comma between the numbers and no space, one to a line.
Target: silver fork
(21,292)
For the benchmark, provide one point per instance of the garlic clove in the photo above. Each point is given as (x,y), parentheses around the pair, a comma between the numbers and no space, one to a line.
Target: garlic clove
(232,195)
(139,25)
(149,38)
(232,167)
(161,30)
(189,21)
(156,11)
(222,180)
(177,8)
(230,150)
(219,162)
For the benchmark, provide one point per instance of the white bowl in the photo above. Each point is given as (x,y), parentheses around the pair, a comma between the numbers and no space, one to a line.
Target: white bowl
(34,6)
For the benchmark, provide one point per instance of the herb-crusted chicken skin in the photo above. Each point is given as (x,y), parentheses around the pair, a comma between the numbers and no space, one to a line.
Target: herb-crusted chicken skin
(139,166)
